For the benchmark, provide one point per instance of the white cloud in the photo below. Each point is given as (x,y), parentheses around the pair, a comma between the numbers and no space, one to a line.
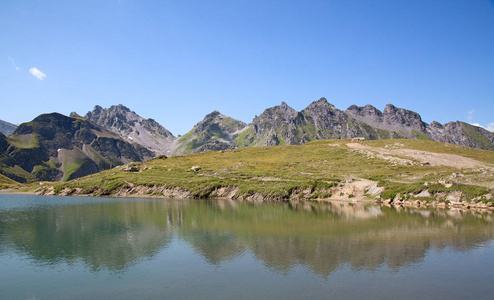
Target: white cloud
(37,73)
(489,127)
(13,64)
(470,116)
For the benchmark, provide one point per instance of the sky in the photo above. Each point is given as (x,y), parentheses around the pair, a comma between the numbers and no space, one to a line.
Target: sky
(176,61)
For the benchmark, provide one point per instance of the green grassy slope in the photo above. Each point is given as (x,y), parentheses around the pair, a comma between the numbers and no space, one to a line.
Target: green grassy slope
(56,147)
(6,182)
(314,168)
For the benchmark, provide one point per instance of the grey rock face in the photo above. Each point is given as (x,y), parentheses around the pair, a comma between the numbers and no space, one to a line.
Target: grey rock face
(133,128)
(320,120)
(461,133)
(404,118)
(276,124)
(7,128)
(400,122)
(282,125)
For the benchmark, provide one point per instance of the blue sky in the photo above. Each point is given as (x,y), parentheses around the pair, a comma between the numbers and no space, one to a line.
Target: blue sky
(176,61)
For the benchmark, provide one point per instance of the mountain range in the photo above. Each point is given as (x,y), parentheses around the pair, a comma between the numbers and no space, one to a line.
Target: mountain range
(56,147)
(282,125)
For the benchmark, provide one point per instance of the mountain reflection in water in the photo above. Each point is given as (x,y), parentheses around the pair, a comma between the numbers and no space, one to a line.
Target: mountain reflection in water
(115,235)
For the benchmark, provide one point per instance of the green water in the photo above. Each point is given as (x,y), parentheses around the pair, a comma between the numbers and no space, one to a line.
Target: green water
(80,248)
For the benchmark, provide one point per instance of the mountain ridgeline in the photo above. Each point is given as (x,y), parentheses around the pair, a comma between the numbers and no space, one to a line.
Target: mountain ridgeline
(282,125)
(133,128)
(54,147)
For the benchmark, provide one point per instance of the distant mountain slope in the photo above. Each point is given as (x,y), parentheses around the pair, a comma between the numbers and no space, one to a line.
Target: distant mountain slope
(215,132)
(133,128)
(56,147)
(461,133)
(401,121)
(282,125)
(30,157)
(7,128)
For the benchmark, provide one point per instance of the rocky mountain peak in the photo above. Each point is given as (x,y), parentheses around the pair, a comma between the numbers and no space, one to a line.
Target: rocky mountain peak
(321,102)
(225,124)
(390,108)
(321,106)
(97,109)
(407,118)
(435,124)
(133,128)
(364,111)
(285,108)
(279,112)
(213,114)
(215,132)
(211,119)
(121,107)
(56,147)
(75,115)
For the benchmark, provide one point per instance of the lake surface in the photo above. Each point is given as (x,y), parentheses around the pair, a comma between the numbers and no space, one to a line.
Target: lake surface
(99,248)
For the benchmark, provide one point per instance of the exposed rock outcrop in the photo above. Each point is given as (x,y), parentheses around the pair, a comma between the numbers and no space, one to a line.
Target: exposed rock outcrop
(461,133)
(282,125)
(133,128)
(7,128)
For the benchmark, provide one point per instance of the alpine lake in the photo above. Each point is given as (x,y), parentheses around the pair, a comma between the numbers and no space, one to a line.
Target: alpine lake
(110,248)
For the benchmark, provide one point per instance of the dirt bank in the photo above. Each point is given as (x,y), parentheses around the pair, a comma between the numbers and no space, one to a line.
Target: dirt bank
(411,156)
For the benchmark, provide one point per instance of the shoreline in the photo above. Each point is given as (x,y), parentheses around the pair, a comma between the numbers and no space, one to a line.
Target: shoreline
(176,193)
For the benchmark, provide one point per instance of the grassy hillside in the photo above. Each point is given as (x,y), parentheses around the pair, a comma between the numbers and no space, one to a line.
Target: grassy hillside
(6,182)
(215,132)
(316,170)
(55,147)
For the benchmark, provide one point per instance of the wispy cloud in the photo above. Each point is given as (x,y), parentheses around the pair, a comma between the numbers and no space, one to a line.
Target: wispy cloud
(470,115)
(13,63)
(489,127)
(37,73)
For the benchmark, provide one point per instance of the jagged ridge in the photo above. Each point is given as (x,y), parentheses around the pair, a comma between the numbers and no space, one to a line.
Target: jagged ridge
(133,128)
(56,147)
(282,125)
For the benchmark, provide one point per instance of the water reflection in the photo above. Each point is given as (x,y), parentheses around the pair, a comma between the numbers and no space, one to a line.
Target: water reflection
(319,236)
(104,235)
